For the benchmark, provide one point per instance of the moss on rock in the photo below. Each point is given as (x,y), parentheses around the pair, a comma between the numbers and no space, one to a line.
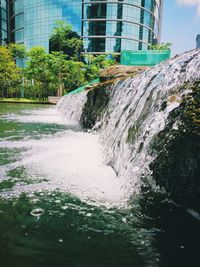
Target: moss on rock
(98,95)
(177,168)
(97,101)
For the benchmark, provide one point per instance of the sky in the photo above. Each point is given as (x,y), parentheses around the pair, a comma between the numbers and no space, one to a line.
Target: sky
(181,24)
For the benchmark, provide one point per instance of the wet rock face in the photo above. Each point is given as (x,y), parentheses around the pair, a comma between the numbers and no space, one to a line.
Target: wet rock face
(177,165)
(97,101)
(119,71)
(98,95)
(149,126)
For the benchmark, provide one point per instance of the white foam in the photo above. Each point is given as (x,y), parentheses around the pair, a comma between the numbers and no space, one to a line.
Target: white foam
(71,161)
(45,115)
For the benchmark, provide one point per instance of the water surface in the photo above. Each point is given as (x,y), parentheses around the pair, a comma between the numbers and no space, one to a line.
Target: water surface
(61,205)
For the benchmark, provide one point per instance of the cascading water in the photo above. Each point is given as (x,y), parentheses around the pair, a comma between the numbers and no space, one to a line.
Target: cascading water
(135,114)
(61,156)
(71,106)
(61,204)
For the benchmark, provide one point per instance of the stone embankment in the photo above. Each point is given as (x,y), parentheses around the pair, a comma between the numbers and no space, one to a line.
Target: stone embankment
(174,148)
(120,72)
(98,95)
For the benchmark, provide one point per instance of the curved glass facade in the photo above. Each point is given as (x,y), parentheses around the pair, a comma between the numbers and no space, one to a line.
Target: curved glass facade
(105,25)
(3,22)
(198,41)
(17,21)
(34,20)
(112,26)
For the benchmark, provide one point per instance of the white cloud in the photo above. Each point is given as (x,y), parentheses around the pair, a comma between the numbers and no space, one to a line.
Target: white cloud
(190,3)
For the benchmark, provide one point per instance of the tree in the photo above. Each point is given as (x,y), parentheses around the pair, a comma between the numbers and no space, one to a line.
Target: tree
(163,46)
(100,61)
(64,39)
(10,75)
(95,64)
(91,72)
(69,73)
(74,75)
(58,60)
(39,72)
(48,73)
(18,50)
(19,53)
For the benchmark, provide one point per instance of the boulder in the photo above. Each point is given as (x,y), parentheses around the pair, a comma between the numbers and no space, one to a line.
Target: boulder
(119,71)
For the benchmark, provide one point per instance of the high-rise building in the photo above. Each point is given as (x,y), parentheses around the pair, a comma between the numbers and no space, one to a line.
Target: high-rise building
(33,20)
(112,26)
(198,41)
(106,26)
(3,22)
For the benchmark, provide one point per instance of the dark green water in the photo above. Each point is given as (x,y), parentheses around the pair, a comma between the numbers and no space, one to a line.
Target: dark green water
(73,232)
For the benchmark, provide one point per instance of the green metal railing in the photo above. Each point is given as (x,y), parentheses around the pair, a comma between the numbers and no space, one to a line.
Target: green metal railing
(83,88)
(144,58)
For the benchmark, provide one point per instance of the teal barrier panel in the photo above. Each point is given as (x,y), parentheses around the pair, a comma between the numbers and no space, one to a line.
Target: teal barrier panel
(144,58)
(82,88)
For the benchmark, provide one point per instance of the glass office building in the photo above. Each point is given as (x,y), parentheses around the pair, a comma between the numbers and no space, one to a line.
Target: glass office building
(33,20)
(106,26)
(3,22)
(198,41)
(112,26)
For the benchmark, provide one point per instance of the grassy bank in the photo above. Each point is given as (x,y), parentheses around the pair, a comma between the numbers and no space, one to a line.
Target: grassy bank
(23,101)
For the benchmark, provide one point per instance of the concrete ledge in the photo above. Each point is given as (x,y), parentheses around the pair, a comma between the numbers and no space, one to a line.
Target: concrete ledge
(54,99)
(25,102)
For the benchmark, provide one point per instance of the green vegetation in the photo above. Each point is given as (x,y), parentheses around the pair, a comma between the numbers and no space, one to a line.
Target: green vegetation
(39,73)
(42,74)
(10,74)
(20,100)
(97,101)
(18,51)
(163,46)
(64,40)
(6,184)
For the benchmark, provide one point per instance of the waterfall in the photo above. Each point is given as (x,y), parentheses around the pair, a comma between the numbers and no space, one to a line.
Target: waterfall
(70,107)
(137,111)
